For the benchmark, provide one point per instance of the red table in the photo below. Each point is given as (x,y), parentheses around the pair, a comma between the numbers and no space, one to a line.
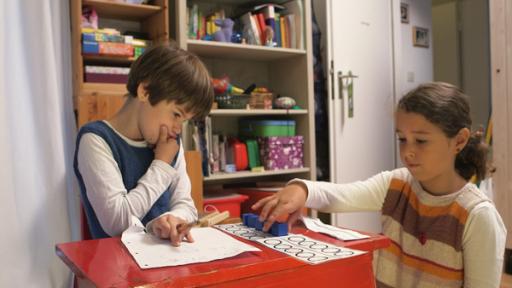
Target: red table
(107,263)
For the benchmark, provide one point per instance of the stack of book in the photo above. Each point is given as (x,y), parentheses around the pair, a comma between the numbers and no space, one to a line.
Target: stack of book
(110,42)
(267,24)
(105,74)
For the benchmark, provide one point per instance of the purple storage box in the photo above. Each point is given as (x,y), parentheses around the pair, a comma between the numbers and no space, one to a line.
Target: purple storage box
(281,152)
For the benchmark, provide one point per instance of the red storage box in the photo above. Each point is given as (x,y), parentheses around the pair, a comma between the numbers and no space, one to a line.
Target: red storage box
(223,202)
(254,195)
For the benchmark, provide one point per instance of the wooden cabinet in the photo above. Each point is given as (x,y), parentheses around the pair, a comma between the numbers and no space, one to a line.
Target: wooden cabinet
(286,71)
(93,101)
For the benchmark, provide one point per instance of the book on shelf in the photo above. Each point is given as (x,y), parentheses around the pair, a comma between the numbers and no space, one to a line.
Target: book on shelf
(251,26)
(285,21)
(106,74)
(107,48)
(277,23)
(261,27)
(296,9)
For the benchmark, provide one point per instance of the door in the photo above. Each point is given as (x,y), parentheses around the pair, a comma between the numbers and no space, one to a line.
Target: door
(359,41)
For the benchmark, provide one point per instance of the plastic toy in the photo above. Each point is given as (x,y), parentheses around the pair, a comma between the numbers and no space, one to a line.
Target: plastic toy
(236,37)
(226,30)
(284,102)
(277,229)
(222,86)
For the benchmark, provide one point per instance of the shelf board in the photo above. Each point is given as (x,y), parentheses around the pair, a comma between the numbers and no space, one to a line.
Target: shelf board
(104,88)
(248,112)
(122,11)
(240,51)
(249,174)
(108,59)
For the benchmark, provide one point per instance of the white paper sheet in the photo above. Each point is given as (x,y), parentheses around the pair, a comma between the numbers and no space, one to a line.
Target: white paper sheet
(209,244)
(307,249)
(339,233)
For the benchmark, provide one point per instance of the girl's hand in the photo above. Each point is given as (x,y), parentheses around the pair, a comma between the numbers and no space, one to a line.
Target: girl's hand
(289,200)
(166,146)
(166,227)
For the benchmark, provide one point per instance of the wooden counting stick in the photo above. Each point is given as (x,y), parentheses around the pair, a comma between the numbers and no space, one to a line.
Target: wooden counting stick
(218,218)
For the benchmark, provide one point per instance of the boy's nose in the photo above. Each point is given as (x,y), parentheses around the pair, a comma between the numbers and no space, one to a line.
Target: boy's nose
(177,128)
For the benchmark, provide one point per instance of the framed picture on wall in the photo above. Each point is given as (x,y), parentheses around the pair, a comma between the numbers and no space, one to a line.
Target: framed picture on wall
(404,12)
(420,37)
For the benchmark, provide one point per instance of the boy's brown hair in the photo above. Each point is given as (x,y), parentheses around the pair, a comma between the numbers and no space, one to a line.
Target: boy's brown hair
(172,74)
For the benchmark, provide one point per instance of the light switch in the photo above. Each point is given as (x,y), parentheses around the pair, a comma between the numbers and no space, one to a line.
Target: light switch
(410,76)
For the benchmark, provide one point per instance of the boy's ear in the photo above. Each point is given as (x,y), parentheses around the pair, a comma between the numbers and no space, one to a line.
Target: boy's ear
(142,93)
(461,139)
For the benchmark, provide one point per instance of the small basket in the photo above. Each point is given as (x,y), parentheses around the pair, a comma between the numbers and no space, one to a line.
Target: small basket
(232,101)
(261,100)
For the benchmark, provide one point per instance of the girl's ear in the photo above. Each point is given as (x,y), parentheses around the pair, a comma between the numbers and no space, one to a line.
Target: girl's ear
(461,139)
(142,93)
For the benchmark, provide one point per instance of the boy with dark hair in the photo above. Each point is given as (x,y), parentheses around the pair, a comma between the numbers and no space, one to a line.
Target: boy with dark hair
(133,163)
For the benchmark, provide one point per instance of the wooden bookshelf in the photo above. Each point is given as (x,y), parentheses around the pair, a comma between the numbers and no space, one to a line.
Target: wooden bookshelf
(249,174)
(123,11)
(241,51)
(107,59)
(256,112)
(286,71)
(104,88)
(94,101)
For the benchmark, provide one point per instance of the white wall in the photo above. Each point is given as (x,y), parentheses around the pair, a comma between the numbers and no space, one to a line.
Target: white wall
(476,58)
(445,35)
(414,64)
(462,53)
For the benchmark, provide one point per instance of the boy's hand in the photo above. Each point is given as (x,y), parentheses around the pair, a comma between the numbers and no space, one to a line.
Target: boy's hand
(166,227)
(166,146)
(289,200)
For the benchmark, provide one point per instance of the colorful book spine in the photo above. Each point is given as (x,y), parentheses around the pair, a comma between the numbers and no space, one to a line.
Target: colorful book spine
(269,15)
(278,30)
(107,48)
(284,32)
(261,23)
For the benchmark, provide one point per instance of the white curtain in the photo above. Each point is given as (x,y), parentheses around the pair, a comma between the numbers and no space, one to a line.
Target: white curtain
(38,192)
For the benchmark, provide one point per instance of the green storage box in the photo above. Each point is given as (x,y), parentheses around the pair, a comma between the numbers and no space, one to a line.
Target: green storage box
(253,153)
(267,128)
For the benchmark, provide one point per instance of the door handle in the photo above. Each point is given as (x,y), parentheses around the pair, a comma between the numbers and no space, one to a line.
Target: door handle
(350,93)
(340,96)
(331,76)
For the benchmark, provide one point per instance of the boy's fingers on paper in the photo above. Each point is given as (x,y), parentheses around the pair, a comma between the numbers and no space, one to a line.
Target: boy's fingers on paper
(175,236)
(183,230)
(164,231)
(188,237)
(157,231)
(161,227)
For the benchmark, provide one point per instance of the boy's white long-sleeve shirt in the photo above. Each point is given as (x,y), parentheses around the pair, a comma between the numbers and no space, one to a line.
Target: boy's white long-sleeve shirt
(484,234)
(109,197)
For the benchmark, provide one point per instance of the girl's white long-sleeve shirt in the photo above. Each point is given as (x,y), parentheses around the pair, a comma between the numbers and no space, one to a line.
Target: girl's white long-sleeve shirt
(484,234)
